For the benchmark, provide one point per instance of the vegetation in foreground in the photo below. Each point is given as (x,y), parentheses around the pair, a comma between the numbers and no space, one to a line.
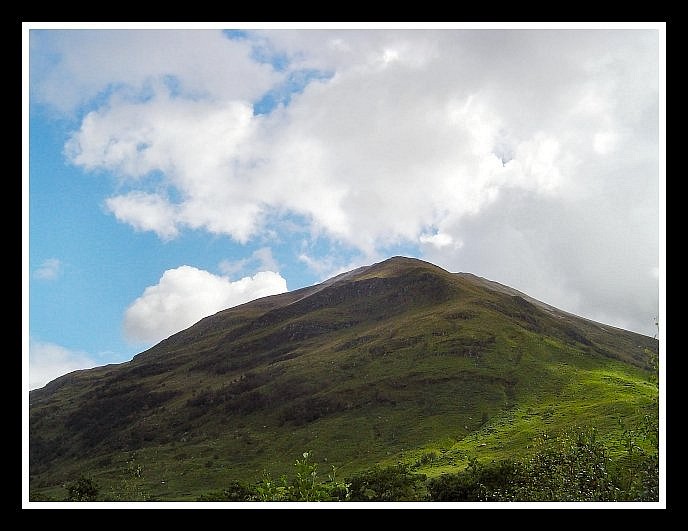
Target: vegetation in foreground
(574,467)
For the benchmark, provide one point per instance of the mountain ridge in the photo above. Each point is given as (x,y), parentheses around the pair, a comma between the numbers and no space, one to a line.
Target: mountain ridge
(394,261)
(365,366)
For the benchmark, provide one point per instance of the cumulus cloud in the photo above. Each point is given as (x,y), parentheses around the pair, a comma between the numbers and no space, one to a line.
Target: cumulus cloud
(49,269)
(445,139)
(190,147)
(186,294)
(47,361)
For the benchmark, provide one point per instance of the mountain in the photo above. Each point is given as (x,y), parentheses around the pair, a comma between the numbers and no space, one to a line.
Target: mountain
(384,363)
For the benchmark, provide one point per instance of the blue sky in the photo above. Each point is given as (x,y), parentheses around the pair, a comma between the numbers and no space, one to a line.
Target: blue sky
(174,173)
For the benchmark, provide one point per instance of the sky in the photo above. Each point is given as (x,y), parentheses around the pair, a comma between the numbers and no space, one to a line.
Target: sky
(172,172)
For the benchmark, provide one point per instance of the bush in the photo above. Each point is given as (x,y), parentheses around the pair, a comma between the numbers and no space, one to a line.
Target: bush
(573,467)
(479,482)
(82,490)
(394,483)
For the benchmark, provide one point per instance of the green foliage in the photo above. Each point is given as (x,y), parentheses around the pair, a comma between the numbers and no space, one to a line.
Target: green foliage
(269,490)
(393,483)
(426,459)
(479,482)
(235,492)
(83,489)
(638,477)
(304,486)
(574,467)
(638,470)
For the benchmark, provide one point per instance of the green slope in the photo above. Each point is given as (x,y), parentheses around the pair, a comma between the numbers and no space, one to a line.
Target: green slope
(396,361)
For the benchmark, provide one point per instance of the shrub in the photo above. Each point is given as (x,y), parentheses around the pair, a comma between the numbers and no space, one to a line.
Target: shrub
(82,490)
(479,482)
(572,467)
(394,483)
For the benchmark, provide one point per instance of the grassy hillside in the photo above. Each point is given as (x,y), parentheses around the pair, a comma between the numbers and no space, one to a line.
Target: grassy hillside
(399,361)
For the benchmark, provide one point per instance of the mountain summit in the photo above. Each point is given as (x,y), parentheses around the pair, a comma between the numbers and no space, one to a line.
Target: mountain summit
(368,366)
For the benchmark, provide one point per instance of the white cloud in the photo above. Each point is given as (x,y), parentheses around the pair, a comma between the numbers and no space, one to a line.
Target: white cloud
(232,267)
(265,259)
(261,260)
(144,212)
(604,142)
(323,267)
(47,361)
(526,139)
(578,261)
(71,67)
(49,269)
(439,239)
(194,145)
(330,265)
(186,294)
(351,170)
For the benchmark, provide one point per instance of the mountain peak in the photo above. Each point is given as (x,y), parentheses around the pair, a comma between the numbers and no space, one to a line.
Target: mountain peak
(396,266)
(366,365)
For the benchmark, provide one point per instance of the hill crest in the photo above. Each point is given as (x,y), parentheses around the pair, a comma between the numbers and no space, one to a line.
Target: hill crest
(360,368)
